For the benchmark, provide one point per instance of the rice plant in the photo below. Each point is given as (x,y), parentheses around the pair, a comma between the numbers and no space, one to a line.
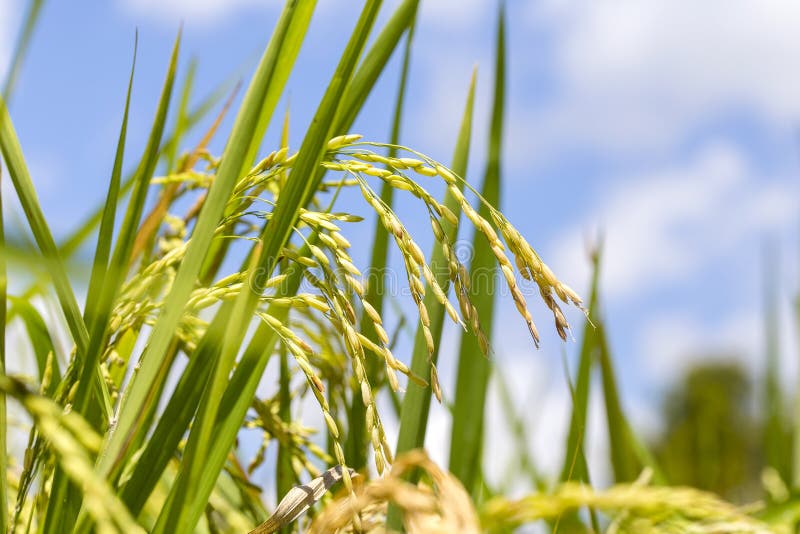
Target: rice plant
(136,427)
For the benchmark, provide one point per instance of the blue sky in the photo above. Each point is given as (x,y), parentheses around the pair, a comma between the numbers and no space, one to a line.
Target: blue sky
(671,127)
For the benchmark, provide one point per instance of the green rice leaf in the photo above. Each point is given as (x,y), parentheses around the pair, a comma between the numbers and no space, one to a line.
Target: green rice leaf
(248,372)
(574,467)
(290,48)
(138,400)
(472,380)
(416,402)
(285,477)
(374,63)
(23,42)
(106,233)
(111,279)
(20,177)
(185,502)
(569,520)
(623,456)
(3,322)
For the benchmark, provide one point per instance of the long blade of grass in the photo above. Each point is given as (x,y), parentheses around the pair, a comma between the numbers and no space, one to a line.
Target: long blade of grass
(185,502)
(138,399)
(577,469)
(289,51)
(238,397)
(466,442)
(3,316)
(284,477)
(374,61)
(569,520)
(357,438)
(623,455)
(21,178)
(106,233)
(248,372)
(150,224)
(23,42)
(109,280)
(285,62)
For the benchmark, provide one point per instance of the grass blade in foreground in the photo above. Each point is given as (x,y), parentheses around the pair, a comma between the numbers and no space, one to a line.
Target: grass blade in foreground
(32,16)
(285,477)
(21,178)
(466,442)
(137,400)
(373,64)
(290,48)
(570,521)
(106,281)
(3,409)
(623,455)
(106,233)
(248,372)
(574,467)
(185,502)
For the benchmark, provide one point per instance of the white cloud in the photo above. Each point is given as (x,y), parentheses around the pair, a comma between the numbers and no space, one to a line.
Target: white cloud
(660,227)
(193,12)
(455,15)
(634,74)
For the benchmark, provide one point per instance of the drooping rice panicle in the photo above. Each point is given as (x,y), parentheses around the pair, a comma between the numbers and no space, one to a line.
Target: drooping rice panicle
(528,262)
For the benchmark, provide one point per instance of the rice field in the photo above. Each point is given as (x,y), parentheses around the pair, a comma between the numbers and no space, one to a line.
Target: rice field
(242,261)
